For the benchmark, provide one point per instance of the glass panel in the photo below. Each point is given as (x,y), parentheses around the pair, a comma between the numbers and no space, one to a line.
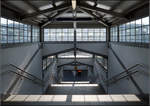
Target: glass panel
(145,21)
(3,38)
(133,24)
(128,25)
(138,30)
(68,34)
(138,23)
(21,39)
(16,24)
(145,30)
(10,39)
(25,33)
(10,23)
(132,31)
(10,31)
(16,39)
(16,31)
(21,32)
(3,22)
(21,26)
(3,30)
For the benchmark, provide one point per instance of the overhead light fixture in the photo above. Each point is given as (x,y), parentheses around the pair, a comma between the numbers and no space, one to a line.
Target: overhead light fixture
(74,4)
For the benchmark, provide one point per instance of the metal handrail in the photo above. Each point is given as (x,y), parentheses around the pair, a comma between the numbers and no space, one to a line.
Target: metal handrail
(125,76)
(127,70)
(48,66)
(25,72)
(105,70)
(128,74)
(25,77)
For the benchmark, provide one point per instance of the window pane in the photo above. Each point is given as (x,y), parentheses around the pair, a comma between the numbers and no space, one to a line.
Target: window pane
(25,33)
(3,22)
(10,31)
(16,39)
(3,38)
(128,25)
(16,32)
(21,26)
(21,33)
(10,23)
(145,30)
(138,23)
(16,24)
(3,30)
(133,24)
(10,39)
(145,21)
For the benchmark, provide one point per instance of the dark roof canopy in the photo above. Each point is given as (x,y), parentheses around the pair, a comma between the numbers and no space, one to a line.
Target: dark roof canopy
(44,12)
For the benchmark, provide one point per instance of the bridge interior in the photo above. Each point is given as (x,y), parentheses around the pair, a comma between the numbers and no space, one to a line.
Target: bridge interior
(74,52)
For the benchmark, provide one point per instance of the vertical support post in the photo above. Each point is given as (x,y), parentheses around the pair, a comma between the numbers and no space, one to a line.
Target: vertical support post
(75,39)
(31,33)
(42,74)
(108,35)
(108,40)
(41,34)
(107,78)
(118,33)
(41,37)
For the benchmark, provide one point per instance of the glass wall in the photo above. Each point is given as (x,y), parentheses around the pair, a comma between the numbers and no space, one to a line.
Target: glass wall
(114,33)
(134,31)
(15,32)
(35,34)
(68,34)
(91,34)
(58,34)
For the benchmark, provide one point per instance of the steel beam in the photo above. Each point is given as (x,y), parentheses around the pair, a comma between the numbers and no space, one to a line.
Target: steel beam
(90,52)
(72,49)
(95,9)
(55,9)
(33,7)
(116,5)
(56,53)
(12,8)
(75,63)
(84,19)
(97,18)
(142,3)
(50,20)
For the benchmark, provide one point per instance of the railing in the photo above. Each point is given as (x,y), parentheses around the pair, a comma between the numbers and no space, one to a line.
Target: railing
(34,79)
(124,67)
(29,77)
(104,69)
(121,75)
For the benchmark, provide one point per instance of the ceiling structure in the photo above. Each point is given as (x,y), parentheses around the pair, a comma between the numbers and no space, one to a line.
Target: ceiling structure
(45,12)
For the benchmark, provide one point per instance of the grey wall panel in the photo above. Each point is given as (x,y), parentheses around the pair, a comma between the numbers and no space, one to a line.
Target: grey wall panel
(50,75)
(101,75)
(55,47)
(96,47)
(0,72)
(129,56)
(20,56)
(100,48)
